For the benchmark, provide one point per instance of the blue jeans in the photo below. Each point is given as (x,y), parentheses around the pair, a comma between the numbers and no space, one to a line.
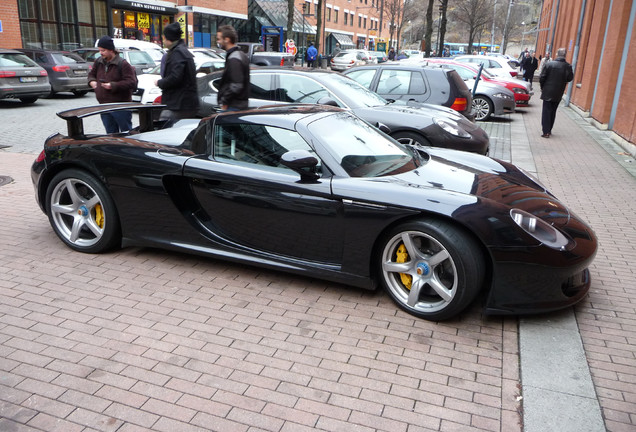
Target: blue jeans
(118,121)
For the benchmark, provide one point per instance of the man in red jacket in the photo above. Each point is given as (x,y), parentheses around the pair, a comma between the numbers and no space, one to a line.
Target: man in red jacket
(114,80)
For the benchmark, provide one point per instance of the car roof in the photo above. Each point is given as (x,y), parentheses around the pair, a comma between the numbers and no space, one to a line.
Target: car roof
(10,51)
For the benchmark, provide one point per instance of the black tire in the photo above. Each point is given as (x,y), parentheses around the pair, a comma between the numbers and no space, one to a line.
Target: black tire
(28,99)
(51,94)
(80,93)
(411,138)
(431,268)
(82,212)
(482,107)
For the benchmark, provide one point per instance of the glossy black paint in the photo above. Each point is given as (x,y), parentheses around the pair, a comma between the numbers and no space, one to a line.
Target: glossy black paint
(176,195)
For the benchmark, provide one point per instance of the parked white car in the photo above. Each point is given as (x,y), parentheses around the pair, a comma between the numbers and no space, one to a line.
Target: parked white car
(495,65)
(154,50)
(349,58)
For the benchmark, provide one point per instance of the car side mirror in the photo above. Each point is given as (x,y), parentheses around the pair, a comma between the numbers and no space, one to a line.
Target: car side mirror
(303,162)
(326,100)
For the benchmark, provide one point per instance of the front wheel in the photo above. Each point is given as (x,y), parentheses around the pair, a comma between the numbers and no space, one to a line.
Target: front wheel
(82,212)
(482,107)
(79,93)
(411,138)
(431,268)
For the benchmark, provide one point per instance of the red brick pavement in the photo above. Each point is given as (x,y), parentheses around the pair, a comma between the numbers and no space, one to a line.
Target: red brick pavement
(589,179)
(143,339)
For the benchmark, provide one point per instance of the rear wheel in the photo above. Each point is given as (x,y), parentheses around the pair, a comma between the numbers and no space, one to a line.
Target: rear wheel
(482,107)
(82,212)
(29,99)
(431,268)
(80,93)
(411,138)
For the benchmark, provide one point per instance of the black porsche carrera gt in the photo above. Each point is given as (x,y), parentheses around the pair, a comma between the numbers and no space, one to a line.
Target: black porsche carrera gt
(315,190)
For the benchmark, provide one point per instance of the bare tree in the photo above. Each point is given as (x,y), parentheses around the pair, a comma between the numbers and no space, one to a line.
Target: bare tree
(428,34)
(474,14)
(443,7)
(395,15)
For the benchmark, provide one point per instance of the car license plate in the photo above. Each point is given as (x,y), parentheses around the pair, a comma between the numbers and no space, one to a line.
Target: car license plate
(81,72)
(136,98)
(28,79)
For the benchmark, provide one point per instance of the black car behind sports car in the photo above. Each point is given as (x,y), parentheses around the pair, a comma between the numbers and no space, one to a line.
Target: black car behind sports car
(419,124)
(316,191)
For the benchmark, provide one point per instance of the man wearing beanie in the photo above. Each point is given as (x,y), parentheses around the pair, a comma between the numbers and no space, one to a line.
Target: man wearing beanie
(178,77)
(114,80)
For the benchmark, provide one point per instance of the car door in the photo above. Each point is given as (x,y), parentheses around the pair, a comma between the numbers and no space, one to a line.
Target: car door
(251,202)
(399,84)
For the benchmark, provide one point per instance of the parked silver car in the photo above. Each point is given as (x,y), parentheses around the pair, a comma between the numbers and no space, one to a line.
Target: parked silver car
(22,78)
(349,58)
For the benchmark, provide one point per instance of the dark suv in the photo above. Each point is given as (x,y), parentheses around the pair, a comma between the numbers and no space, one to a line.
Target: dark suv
(67,71)
(418,83)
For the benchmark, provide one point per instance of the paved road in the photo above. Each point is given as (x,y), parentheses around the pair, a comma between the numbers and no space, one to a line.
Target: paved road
(142,339)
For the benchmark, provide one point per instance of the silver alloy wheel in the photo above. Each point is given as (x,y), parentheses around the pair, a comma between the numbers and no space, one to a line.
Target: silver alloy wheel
(429,265)
(77,212)
(481,108)
(409,141)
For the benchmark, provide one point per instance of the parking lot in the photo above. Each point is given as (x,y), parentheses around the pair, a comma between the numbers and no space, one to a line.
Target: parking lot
(142,339)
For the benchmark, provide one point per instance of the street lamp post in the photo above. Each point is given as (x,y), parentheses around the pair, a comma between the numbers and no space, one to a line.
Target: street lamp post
(523,34)
(439,24)
(303,9)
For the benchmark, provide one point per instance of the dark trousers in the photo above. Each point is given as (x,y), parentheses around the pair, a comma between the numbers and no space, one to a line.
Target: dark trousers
(118,121)
(548,114)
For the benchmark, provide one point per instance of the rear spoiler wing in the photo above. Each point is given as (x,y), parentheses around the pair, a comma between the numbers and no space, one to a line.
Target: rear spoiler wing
(74,117)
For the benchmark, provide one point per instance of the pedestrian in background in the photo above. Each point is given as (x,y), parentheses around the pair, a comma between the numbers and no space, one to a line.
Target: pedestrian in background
(178,77)
(553,79)
(234,87)
(336,50)
(113,80)
(312,54)
(530,65)
(543,62)
(392,54)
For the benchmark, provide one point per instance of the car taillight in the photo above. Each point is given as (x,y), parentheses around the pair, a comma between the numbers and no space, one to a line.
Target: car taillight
(282,61)
(43,73)
(459,104)
(6,74)
(157,100)
(40,157)
(513,73)
(351,62)
(62,68)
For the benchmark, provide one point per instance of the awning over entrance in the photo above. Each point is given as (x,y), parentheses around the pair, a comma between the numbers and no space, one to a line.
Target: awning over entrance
(344,40)
(275,14)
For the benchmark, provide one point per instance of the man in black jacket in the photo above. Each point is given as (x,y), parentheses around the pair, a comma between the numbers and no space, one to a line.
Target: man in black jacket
(234,87)
(178,77)
(553,79)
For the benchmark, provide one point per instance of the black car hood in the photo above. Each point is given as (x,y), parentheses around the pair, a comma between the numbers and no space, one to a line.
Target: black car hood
(455,178)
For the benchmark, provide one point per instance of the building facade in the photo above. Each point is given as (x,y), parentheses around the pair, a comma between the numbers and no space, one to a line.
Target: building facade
(601,45)
(68,24)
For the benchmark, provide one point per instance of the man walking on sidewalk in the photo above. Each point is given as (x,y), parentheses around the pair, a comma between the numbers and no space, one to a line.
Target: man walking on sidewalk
(553,79)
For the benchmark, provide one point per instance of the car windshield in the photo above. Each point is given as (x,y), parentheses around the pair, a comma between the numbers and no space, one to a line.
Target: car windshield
(360,149)
(356,95)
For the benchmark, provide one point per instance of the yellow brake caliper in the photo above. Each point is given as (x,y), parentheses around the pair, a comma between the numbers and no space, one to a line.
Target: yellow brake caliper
(99,216)
(402,256)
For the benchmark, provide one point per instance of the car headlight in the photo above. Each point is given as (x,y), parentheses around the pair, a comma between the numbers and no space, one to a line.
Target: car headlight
(502,96)
(451,127)
(520,90)
(146,70)
(539,229)
(155,90)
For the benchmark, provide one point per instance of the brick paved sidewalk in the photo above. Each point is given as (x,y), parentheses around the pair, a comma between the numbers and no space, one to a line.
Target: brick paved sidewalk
(143,339)
(597,179)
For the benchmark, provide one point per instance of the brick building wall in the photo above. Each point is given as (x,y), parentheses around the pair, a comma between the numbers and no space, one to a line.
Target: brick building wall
(223,5)
(10,36)
(599,59)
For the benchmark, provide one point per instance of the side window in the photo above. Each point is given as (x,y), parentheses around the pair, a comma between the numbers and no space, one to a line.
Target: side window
(41,58)
(261,87)
(394,82)
(417,84)
(364,76)
(494,64)
(464,73)
(260,145)
(300,89)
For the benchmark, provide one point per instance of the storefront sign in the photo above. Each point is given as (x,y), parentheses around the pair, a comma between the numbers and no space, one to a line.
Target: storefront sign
(146,7)
(143,20)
